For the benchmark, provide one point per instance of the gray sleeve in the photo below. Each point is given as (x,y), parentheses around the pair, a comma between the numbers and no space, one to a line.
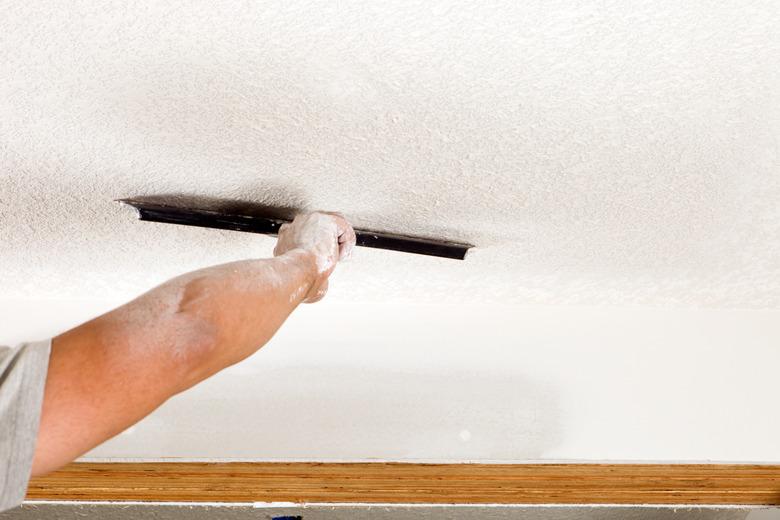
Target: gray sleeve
(22,378)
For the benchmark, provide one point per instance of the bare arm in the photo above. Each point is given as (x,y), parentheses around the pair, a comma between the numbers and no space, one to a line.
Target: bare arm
(110,372)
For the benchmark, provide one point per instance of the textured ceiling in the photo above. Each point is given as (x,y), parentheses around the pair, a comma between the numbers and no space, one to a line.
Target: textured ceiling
(598,153)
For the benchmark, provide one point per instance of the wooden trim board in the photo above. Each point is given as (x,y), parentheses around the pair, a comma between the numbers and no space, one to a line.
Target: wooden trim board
(413,483)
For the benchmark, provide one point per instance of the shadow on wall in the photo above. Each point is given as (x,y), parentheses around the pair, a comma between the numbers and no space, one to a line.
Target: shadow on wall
(337,413)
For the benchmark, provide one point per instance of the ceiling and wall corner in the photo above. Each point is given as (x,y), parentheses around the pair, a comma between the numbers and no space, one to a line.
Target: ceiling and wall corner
(621,156)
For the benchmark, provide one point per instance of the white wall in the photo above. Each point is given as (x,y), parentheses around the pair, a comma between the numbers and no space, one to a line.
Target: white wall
(474,383)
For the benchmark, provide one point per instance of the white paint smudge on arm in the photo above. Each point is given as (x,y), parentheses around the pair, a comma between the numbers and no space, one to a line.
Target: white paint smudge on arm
(110,372)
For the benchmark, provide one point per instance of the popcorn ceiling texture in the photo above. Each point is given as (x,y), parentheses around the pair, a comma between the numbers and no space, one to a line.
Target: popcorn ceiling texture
(599,153)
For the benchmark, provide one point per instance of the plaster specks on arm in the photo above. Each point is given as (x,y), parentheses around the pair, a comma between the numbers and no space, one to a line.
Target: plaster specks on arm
(110,372)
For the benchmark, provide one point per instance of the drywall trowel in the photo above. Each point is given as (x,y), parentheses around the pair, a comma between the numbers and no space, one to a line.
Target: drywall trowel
(252,218)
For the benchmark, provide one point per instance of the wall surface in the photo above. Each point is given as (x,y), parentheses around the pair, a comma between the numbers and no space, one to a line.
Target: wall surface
(616,165)
(481,383)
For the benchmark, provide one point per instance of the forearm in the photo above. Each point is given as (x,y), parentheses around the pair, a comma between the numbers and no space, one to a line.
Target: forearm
(112,371)
(236,308)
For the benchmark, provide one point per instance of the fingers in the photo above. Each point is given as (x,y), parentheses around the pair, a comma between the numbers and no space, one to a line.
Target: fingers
(278,247)
(346,235)
(346,242)
(327,234)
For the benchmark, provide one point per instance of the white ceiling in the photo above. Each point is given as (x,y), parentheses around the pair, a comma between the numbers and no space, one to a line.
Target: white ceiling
(598,153)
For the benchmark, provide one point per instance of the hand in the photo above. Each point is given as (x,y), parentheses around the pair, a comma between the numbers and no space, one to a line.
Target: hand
(327,236)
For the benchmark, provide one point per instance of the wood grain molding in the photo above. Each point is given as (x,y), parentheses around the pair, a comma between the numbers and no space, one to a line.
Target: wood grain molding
(413,483)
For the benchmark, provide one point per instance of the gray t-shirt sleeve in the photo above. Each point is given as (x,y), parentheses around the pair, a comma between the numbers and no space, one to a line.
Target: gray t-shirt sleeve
(22,379)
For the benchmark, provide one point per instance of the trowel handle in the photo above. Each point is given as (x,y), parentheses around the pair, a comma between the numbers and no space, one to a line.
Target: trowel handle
(270,226)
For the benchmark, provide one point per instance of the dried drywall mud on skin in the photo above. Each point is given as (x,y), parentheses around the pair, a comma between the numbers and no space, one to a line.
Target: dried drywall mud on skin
(176,305)
(600,154)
